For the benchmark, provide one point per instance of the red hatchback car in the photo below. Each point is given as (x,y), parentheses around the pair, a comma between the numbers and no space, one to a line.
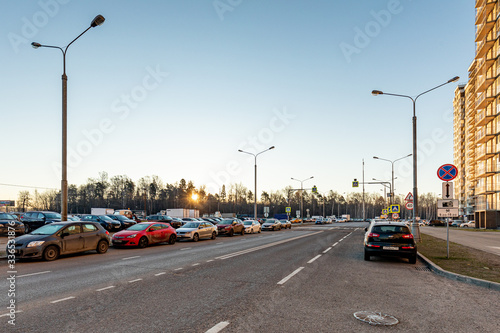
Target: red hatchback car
(144,234)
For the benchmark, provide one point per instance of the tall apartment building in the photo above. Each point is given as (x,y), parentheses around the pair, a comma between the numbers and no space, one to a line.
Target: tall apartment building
(477,124)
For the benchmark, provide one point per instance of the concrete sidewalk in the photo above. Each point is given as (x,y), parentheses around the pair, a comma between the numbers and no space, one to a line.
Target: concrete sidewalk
(487,241)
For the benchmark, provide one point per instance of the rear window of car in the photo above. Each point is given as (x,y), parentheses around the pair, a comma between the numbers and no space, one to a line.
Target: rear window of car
(390,229)
(89,227)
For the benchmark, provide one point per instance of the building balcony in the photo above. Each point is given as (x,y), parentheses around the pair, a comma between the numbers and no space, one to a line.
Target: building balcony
(483,117)
(483,29)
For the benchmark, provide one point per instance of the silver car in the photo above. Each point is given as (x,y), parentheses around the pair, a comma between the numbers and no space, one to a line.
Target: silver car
(195,230)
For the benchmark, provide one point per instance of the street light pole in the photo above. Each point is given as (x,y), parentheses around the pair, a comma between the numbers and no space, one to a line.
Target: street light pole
(414,226)
(392,168)
(255,177)
(97,21)
(302,195)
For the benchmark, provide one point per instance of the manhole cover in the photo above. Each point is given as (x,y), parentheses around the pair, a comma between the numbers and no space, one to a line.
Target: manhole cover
(376,318)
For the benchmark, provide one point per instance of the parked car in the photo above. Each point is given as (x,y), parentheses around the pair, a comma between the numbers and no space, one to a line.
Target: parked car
(230,227)
(145,233)
(9,224)
(390,239)
(58,238)
(106,222)
(73,218)
(296,220)
(271,224)
(437,223)
(252,226)
(456,223)
(469,224)
(35,219)
(125,222)
(177,222)
(196,229)
(286,224)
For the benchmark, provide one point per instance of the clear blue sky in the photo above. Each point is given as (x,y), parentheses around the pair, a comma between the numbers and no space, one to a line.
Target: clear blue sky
(175,88)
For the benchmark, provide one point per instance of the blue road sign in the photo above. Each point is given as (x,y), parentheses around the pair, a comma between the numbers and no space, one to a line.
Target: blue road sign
(447,172)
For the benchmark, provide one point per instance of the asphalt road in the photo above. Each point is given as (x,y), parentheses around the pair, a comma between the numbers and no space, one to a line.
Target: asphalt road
(485,241)
(309,279)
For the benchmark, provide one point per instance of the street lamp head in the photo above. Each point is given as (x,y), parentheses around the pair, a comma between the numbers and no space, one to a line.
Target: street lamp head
(272,147)
(376,157)
(36,45)
(454,79)
(377,92)
(97,21)
(240,150)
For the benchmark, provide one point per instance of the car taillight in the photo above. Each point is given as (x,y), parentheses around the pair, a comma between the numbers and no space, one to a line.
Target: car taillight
(408,236)
(107,233)
(407,247)
(371,234)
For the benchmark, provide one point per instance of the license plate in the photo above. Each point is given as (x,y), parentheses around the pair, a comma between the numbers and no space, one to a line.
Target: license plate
(392,248)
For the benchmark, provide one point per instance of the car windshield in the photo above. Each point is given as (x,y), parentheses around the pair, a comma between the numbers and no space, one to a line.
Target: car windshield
(227,221)
(4,216)
(248,222)
(106,218)
(48,229)
(391,229)
(53,215)
(139,227)
(191,225)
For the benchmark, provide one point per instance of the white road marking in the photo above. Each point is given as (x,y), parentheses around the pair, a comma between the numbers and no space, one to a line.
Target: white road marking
(227,256)
(63,299)
(310,261)
(196,264)
(219,327)
(160,273)
(131,257)
(291,275)
(178,269)
(32,274)
(105,288)
(8,314)
(135,280)
(335,244)
(186,248)
(328,249)
(210,260)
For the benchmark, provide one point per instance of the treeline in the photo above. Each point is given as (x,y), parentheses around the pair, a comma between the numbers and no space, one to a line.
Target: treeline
(152,195)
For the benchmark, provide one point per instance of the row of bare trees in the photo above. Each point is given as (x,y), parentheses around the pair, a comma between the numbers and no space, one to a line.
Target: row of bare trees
(152,195)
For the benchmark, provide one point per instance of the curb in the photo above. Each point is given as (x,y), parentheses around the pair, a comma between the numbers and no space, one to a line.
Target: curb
(458,277)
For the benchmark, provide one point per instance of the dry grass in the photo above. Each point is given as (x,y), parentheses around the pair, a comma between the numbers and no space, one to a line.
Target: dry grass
(463,260)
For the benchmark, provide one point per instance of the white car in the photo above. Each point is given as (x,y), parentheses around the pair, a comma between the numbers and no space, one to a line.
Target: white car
(470,224)
(197,229)
(252,226)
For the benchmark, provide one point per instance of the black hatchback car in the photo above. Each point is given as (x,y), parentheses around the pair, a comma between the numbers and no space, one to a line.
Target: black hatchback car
(35,219)
(52,240)
(106,222)
(390,239)
(124,221)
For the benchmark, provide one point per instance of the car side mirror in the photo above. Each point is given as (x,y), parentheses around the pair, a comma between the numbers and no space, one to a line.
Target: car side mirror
(366,229)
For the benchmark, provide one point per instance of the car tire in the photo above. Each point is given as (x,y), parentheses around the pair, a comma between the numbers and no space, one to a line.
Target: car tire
(413,259)
(243,232)
(51,253)
(214,235)
(102,246)
(172,239)
(260,230)
(230,233)
(143,242)
(367,256)
(26,228)
(196,237)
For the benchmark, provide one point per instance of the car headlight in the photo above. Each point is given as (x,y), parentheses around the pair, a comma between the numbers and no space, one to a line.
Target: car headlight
(35,243)
(131,236)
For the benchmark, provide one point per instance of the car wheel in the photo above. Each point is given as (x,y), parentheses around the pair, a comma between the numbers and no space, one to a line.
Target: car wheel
(143,242)
(367,256)
(51,253)
(214,235)
(231,233)
(26,228)
(196,237)
(102,246)
(171,239)
(259,231)
(412,259)
(243,232)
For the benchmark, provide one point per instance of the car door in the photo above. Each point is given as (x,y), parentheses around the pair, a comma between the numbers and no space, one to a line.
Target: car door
(162,232)
(90,235)
(204,230)
(72,239)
